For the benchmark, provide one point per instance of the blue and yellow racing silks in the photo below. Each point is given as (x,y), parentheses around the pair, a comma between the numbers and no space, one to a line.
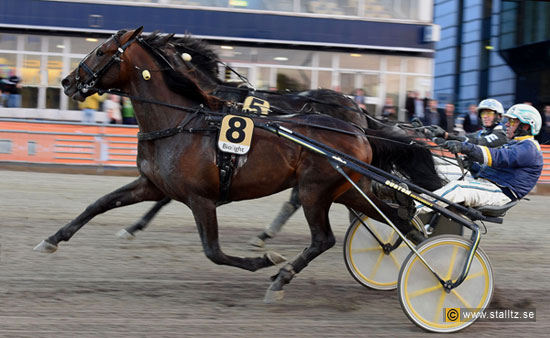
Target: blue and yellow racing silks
(517,165)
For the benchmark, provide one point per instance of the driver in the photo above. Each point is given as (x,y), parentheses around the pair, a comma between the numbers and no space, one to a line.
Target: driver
(502,174)
(491,135)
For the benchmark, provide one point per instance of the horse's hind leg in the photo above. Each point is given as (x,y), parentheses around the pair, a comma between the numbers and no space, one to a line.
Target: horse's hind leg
(322,239)
(204,211)
(140,225)
(137,191)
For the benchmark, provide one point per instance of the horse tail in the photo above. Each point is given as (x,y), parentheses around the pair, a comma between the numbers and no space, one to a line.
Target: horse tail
(395,151)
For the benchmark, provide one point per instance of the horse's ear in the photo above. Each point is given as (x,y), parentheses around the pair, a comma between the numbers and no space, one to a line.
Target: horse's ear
(137,32)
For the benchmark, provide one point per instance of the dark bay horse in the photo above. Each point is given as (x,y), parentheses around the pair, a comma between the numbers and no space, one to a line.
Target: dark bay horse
(202,63)
(183,166)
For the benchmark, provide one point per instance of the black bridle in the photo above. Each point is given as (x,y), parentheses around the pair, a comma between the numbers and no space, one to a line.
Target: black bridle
(84,87)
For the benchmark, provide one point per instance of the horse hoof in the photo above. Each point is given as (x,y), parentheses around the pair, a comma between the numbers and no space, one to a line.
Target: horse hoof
(123,234)
(45,247)
(257,242)
(273,296)
(274,257)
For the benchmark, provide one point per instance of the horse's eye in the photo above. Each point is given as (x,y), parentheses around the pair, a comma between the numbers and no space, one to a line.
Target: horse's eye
(99,52)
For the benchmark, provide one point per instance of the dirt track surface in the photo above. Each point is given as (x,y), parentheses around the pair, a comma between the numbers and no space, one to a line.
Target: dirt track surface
(162,285)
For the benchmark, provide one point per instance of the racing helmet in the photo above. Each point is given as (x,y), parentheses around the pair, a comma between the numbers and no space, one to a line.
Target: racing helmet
(491,104)
(526,114)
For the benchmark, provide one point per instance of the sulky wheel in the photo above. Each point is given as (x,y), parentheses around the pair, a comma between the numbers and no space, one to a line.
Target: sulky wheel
(366,260)
(422,296)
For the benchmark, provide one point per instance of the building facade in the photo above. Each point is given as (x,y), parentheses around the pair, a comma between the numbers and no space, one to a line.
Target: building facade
(380,46)
(492,48)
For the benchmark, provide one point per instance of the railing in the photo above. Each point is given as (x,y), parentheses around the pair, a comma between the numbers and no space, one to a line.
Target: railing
(64,143)
(27,141)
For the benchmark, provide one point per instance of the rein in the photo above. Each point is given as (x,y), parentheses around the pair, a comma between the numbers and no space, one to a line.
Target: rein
(94,76)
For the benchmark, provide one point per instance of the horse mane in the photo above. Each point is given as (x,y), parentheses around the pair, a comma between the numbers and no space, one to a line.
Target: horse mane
(405,154)
(204,56)
(178,82)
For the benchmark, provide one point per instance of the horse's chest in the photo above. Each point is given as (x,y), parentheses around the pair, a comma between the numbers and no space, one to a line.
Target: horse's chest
(176,168)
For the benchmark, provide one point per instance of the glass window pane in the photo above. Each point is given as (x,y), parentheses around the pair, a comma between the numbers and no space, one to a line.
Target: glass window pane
(419,65)
(371,83)
(262,81)
(230,76)
(392,87)
(29,97)
(33,43)
(84,46)
(7,65)
(325,59)
(293,79)
(31,69)
(347,83)
(54,71)
(55,44)
(285,57)
(52,98)
(331,7)
(8,41)
(233,53)
(280,5)
(396,9)
(421,85)
(393,63)
(325,79)
(360,61)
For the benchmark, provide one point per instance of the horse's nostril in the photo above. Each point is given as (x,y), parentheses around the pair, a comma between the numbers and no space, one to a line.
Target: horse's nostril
(65,83)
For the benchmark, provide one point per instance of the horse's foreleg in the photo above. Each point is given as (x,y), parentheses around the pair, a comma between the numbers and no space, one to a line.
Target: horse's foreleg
(204,211)
(140,225)
(137,191)
(322,239)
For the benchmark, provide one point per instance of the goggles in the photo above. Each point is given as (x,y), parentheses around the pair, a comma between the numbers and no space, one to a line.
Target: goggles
(512,122)
(487,113)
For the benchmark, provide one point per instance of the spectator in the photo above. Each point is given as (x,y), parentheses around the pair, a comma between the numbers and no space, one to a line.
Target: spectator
(448,123)
(432,114)
(415,107)
(472,121)
(11,91)
(112,107)
(89,107)
(128,116)
(359,98)
(427,100)
(389,111)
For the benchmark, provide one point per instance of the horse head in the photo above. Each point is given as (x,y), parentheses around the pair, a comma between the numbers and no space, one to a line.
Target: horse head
(94,72)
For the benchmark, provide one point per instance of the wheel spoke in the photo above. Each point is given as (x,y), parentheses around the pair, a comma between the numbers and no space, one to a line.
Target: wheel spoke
(366,249)
(452,263)
(390,237)
(397,264)
(377,265)
(424,291)
(474,275)
(439,308)
(374,230)
(461,299)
